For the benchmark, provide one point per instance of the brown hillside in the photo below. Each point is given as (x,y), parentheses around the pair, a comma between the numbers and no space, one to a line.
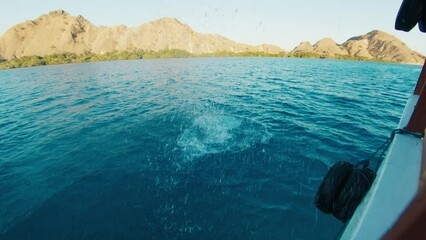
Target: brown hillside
(373,45)
(58,32)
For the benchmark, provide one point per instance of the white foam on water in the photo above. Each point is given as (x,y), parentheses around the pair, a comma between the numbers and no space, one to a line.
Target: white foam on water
(210,134)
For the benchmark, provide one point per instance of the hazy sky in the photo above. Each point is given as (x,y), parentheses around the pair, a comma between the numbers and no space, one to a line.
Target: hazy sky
(285,23)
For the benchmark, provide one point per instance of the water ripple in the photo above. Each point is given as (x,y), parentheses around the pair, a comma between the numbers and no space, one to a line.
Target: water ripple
(186,148)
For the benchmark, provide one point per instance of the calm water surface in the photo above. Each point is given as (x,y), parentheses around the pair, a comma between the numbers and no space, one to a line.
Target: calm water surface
(202,148)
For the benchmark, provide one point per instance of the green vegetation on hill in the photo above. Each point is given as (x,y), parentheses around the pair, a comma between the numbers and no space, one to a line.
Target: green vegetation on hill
(241,54)
(339,57)
(63,58)
(304,55)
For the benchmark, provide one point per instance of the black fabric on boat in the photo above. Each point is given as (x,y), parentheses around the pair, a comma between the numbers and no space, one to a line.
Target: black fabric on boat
(422,25)
(410,13)
(343,188)
(422,22)
(353,191)
(331,185)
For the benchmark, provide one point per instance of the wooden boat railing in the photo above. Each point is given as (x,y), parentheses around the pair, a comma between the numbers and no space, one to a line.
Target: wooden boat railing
(417,121)
(410,224)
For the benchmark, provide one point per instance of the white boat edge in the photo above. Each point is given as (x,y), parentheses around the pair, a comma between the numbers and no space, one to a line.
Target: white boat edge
(395,186)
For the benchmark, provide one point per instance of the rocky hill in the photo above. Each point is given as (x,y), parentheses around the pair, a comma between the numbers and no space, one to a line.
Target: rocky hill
(58,32)
(373,45)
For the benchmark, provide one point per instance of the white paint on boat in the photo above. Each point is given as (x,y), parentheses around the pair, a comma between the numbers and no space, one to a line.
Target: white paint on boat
(394,187)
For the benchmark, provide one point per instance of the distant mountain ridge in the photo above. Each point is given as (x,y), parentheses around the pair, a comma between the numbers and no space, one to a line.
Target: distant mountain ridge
(373,45)
(59,32)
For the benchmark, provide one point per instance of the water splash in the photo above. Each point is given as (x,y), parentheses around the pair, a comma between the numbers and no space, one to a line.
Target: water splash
(210,134)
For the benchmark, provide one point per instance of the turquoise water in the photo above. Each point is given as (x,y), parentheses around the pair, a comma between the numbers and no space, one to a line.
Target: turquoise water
(201,148)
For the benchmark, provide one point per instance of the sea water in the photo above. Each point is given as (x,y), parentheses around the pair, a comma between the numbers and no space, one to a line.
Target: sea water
(199,148)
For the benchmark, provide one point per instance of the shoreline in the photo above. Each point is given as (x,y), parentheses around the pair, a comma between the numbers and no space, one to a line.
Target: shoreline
(68,58)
